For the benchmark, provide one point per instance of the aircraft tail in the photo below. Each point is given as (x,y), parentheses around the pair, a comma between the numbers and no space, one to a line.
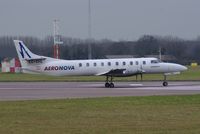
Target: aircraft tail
(26,57)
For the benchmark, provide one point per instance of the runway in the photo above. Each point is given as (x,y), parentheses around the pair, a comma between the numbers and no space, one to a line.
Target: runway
(62,90)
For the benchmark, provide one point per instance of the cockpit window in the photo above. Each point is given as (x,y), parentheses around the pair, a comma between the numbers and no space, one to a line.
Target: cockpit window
(154,61)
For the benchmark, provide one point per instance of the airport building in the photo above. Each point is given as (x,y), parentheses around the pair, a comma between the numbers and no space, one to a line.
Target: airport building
(10,65)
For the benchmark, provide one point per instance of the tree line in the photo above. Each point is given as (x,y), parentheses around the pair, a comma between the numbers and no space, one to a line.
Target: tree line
(184,51)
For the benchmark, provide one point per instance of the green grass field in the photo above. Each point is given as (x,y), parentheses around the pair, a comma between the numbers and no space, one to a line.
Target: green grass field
(193,74)
(127,115)
(151,115)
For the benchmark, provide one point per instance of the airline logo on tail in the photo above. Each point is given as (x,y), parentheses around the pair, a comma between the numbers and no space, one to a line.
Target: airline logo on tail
(23,50)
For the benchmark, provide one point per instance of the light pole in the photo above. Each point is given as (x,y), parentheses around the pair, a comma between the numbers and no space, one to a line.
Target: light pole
(89,30)
(57,40)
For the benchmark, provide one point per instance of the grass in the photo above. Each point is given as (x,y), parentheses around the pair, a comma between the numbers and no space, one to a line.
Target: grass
(140,115)
(192,74)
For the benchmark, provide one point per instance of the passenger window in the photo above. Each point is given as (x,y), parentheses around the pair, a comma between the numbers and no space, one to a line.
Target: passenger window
(80,64)
(137,63)
(116,63)
(102,64)
(87,64)
(124,63)
(95,64)
(131,63)
(109,63)
(144,62)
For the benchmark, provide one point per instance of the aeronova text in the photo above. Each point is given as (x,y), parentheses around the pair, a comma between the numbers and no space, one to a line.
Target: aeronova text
(57,68)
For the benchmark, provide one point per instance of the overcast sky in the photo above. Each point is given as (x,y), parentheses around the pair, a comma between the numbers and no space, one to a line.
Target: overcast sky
(112,19)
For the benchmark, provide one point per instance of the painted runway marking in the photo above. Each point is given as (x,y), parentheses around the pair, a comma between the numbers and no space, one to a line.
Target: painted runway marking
(133,85)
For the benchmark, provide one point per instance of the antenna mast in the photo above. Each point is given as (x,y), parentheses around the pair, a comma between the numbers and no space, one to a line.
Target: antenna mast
(57,40)
(160,53)
(89,31)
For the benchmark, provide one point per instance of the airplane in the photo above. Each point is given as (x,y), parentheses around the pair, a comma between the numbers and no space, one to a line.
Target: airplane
(110,68)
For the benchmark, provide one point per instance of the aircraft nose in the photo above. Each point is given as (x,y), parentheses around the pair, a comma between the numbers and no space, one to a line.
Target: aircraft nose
(179,68)
(183,68)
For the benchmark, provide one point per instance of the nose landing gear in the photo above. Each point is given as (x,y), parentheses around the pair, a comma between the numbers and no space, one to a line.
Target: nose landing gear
(165,83)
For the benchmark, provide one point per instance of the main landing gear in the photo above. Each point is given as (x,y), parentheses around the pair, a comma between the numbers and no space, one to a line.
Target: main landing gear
(109,84)
(141,76)
(165,83)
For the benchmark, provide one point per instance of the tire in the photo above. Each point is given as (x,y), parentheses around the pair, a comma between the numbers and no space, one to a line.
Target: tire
(107,85)
(112,85)
(165,84)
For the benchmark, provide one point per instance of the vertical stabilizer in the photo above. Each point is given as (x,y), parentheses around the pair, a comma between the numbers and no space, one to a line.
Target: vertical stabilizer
(24,53)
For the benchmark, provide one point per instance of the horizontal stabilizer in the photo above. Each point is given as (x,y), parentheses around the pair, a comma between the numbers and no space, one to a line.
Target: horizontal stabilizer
(35,60)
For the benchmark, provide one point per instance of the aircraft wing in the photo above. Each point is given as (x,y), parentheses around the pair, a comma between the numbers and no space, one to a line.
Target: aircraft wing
(113,72)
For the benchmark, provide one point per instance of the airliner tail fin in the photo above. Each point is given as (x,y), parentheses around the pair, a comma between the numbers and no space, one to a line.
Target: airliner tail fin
(23,52)
(25,55)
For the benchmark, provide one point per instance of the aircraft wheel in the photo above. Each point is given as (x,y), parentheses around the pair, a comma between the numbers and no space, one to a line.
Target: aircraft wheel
(112,85)
(165,84)
(107,85)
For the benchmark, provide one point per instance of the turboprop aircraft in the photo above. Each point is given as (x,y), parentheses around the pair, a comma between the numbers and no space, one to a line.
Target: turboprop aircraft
(35,64)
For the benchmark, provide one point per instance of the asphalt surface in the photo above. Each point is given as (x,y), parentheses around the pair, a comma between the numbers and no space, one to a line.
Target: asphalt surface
(61,90)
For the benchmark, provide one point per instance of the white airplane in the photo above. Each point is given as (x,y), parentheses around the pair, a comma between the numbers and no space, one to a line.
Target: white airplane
(35,64)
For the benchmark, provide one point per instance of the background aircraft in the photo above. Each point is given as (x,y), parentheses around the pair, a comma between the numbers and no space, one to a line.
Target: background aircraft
(35,64)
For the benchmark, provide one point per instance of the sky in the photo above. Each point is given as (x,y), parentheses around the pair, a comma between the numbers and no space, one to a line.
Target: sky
(111,19)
